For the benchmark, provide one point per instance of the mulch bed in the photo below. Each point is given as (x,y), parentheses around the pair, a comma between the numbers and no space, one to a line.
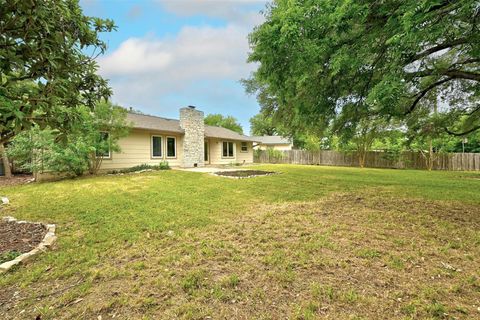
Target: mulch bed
(244,173)
(20,237)
(15,180)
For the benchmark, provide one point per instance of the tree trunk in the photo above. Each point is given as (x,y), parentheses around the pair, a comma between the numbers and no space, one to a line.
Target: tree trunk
(430,156)
(361,159)
(6,163)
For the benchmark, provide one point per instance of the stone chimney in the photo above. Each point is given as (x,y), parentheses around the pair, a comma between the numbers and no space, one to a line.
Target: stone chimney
(191,120)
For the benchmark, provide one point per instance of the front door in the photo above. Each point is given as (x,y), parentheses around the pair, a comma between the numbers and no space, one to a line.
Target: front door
(206,152)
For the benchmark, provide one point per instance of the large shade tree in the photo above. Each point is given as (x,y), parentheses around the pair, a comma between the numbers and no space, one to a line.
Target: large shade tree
(321,59)
(47,64)
(228,122)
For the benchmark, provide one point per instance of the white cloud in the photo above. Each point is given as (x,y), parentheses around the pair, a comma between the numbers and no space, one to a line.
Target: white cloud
(136,56)
(149,70)
(142,70)
(195,53)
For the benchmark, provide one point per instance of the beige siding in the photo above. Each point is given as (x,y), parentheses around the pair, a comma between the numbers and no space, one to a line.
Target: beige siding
(215,152)
(136,150)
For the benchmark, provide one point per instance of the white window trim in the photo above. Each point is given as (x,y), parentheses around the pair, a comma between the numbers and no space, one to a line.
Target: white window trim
(246,143)
(161,146)
(166,147)
(233,147)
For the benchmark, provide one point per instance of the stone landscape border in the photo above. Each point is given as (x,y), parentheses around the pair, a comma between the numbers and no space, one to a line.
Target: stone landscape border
(48,240)
(218,174)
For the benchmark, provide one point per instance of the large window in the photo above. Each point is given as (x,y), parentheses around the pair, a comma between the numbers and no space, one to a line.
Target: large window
(171,147)
(227,149)
(103,150)
(156,147)
(244,147)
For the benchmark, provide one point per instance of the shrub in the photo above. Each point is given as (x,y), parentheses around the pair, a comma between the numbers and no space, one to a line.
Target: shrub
(76,151)
(161,166)
(275,155)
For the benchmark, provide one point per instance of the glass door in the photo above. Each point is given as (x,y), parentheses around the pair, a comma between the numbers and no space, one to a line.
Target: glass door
(206,152)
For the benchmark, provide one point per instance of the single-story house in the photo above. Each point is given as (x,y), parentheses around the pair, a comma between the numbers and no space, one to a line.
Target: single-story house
(272,142)
(186,142)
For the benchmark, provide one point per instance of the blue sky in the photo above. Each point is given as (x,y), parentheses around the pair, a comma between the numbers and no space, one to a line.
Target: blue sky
(167,54)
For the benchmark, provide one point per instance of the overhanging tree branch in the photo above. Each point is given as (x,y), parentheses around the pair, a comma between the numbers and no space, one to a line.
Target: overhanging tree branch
(459,134)
(422,93)
(439,47)
(456,73)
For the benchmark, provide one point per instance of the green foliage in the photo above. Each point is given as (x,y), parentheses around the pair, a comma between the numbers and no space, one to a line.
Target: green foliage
(262,125)
(228,122)
(45,73)
(321,61)
(161,166)
(76,151)
(468,143)
(274,154)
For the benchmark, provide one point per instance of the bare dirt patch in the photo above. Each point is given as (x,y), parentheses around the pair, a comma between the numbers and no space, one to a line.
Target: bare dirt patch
(17,179)
(17,238)
(350,256)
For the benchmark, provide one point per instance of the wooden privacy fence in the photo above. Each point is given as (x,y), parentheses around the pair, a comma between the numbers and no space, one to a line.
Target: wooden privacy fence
(374,159)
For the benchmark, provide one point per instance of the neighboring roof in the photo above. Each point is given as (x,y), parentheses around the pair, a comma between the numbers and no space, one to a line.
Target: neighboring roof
(142,121)
(272,140)
(147,122)
(219,132)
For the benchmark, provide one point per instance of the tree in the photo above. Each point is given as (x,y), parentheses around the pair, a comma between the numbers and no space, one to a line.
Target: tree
(360,136)
(227,122)
(381,57)
(5,162)
(45,72)
(106,119)
(80,150)
(425,133)
(262,125)
(470,143)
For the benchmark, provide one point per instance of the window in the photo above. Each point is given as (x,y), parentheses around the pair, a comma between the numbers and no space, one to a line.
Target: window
(156,147)
(244,147)
(227,149)
(103,149)
(171,147)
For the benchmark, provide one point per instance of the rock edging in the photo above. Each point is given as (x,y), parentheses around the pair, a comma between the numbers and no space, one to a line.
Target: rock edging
(48,240)
(218,174)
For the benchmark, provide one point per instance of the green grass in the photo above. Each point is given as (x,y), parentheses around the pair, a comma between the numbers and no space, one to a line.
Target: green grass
(175,244)
(9,255)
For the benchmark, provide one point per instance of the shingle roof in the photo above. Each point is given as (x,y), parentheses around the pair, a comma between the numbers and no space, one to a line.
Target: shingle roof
(219,132)
(141,121)
(272,139)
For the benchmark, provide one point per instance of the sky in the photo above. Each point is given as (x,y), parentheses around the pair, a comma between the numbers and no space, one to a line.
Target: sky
(167,54)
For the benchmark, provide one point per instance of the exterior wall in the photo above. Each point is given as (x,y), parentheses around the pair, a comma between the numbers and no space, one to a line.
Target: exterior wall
(136,150)
(191,120)
(215,152)
(280,147)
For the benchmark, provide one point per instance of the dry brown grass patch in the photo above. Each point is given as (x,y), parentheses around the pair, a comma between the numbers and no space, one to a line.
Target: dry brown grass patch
(349,256)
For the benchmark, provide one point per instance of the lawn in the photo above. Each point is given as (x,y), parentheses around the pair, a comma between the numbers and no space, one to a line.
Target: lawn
(311,242)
